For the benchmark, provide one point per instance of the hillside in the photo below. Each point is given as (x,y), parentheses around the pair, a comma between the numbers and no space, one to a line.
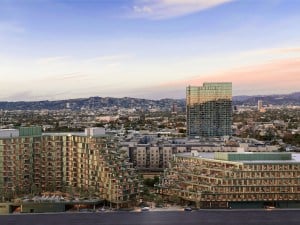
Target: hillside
(283,99)
(93,103)
(126,102)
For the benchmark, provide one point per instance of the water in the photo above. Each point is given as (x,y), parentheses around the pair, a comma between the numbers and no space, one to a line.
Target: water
(203,217)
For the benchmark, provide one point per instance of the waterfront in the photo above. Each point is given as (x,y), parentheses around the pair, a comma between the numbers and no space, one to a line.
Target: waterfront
(202,217)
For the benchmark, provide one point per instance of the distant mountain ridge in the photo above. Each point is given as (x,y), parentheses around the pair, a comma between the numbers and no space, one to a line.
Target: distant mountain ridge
(126,102)
(278,99)
(93,103)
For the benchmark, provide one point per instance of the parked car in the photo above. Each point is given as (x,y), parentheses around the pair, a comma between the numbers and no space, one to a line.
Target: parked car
(269,207)
(101,209)
(188,209)
(145,208)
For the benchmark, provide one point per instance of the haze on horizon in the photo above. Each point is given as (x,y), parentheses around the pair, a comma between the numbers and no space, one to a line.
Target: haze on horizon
(61,49)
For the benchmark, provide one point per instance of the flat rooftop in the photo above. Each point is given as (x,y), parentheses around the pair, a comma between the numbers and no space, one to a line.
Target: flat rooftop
(81,134)
(64,134)
(252,156)
(249,157)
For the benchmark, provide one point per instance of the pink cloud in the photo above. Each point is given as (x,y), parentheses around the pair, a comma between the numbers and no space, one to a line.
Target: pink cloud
(280,76)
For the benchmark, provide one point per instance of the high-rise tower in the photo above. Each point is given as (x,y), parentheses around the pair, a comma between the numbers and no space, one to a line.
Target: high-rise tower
(209,109)
(259,105)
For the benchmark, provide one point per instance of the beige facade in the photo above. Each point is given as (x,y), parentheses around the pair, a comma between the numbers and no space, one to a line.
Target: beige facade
(16,163)
(234,179)
(150,157)
(69,163)
(158,156)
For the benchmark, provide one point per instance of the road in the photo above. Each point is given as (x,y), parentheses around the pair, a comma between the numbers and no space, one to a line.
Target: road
(202,217)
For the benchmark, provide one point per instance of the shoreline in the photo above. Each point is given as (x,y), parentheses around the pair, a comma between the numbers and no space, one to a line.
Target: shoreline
(156,210)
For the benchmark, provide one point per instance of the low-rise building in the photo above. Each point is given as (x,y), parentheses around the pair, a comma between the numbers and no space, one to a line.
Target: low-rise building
(155,153)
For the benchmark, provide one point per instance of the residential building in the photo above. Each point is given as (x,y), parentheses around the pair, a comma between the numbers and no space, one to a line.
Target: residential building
(234,180)
(259,105)
(155,153)
(209,110)
(70,162)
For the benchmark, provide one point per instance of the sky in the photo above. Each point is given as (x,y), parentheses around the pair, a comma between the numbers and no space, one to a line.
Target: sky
(61,49)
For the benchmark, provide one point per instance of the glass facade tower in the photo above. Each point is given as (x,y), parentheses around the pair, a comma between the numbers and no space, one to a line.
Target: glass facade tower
(209,109)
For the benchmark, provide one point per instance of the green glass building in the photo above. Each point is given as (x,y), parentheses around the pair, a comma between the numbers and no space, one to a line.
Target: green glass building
(209,109)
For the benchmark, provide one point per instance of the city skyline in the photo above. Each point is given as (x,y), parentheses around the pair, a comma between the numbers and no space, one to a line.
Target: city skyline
(148,49)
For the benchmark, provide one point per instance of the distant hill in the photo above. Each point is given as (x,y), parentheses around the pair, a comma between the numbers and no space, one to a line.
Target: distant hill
(126,102)
(281,99)
(94,103)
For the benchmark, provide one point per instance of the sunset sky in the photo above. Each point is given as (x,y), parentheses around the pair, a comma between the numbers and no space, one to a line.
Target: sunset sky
(60,49)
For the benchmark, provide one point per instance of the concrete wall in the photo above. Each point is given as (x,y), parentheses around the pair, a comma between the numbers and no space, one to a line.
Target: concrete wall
(261,204)
(94,131)
(5,208)
(246,205)
(9,133)
(42,207)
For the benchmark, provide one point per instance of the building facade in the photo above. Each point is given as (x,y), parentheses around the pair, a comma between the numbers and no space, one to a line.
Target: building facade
(209,110)
(234,180)
(34,162)
(156,155)
(259,105)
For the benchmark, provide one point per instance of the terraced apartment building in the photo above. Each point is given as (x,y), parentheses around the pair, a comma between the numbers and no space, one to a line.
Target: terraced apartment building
(90,162)
(234,180)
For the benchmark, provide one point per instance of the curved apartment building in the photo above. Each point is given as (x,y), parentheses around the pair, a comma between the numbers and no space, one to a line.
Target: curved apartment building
(234,180)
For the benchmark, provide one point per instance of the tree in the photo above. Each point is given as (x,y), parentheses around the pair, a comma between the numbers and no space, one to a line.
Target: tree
(175,199)
(149,182)
(293,139)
